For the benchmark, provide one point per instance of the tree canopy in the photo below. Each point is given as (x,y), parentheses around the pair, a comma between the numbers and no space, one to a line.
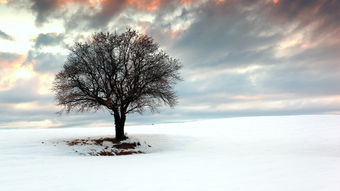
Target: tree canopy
(122,73)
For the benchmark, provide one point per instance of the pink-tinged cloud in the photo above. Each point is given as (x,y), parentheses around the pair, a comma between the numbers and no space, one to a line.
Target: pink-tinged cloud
(276,1)
(12,69)
(147,5)
(10,60)
(173,33)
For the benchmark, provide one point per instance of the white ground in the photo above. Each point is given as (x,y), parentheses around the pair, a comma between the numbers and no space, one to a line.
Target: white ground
(295,153)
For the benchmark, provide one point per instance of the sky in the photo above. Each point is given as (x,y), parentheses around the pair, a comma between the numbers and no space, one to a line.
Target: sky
(240,57)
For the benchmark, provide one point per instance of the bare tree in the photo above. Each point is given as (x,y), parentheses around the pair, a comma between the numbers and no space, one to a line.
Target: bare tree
(123,73)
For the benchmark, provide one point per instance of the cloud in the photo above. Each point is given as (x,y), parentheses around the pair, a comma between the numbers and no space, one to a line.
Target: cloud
(48,39)
(11,70)
(306,12)
(46,9)
(45,61)
(225,36)
(15,96)
(94,14)
(240,57)
(9,59)
(6,36)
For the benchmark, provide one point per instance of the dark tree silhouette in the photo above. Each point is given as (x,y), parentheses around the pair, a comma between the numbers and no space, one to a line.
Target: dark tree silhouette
(123,73)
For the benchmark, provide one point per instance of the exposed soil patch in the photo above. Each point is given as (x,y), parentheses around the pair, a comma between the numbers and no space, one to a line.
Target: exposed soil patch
(105,146)
(105,153)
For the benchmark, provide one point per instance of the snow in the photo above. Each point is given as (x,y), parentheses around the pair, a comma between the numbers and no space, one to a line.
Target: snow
(284,153)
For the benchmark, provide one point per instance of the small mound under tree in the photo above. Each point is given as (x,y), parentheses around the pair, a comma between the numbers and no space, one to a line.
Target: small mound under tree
(123,73)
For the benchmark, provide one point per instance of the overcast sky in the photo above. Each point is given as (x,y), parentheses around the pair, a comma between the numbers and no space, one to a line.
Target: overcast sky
(240,57)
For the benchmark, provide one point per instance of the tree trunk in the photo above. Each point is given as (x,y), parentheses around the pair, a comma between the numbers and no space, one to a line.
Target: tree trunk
(119,126)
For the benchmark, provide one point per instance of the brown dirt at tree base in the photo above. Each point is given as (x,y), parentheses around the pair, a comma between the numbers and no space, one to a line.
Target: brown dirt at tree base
(114,149)
(105,153)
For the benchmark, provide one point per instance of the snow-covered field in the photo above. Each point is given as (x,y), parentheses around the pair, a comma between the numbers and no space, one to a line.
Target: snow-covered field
(292,153)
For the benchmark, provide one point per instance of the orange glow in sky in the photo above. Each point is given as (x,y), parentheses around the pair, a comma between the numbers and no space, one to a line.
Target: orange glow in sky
(219,1)
(173,33)
(63,3)
(147,5)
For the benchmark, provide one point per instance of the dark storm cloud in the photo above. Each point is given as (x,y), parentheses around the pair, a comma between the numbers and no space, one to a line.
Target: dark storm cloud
(43,9)
(48,39)
(47,9)
(6,36)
